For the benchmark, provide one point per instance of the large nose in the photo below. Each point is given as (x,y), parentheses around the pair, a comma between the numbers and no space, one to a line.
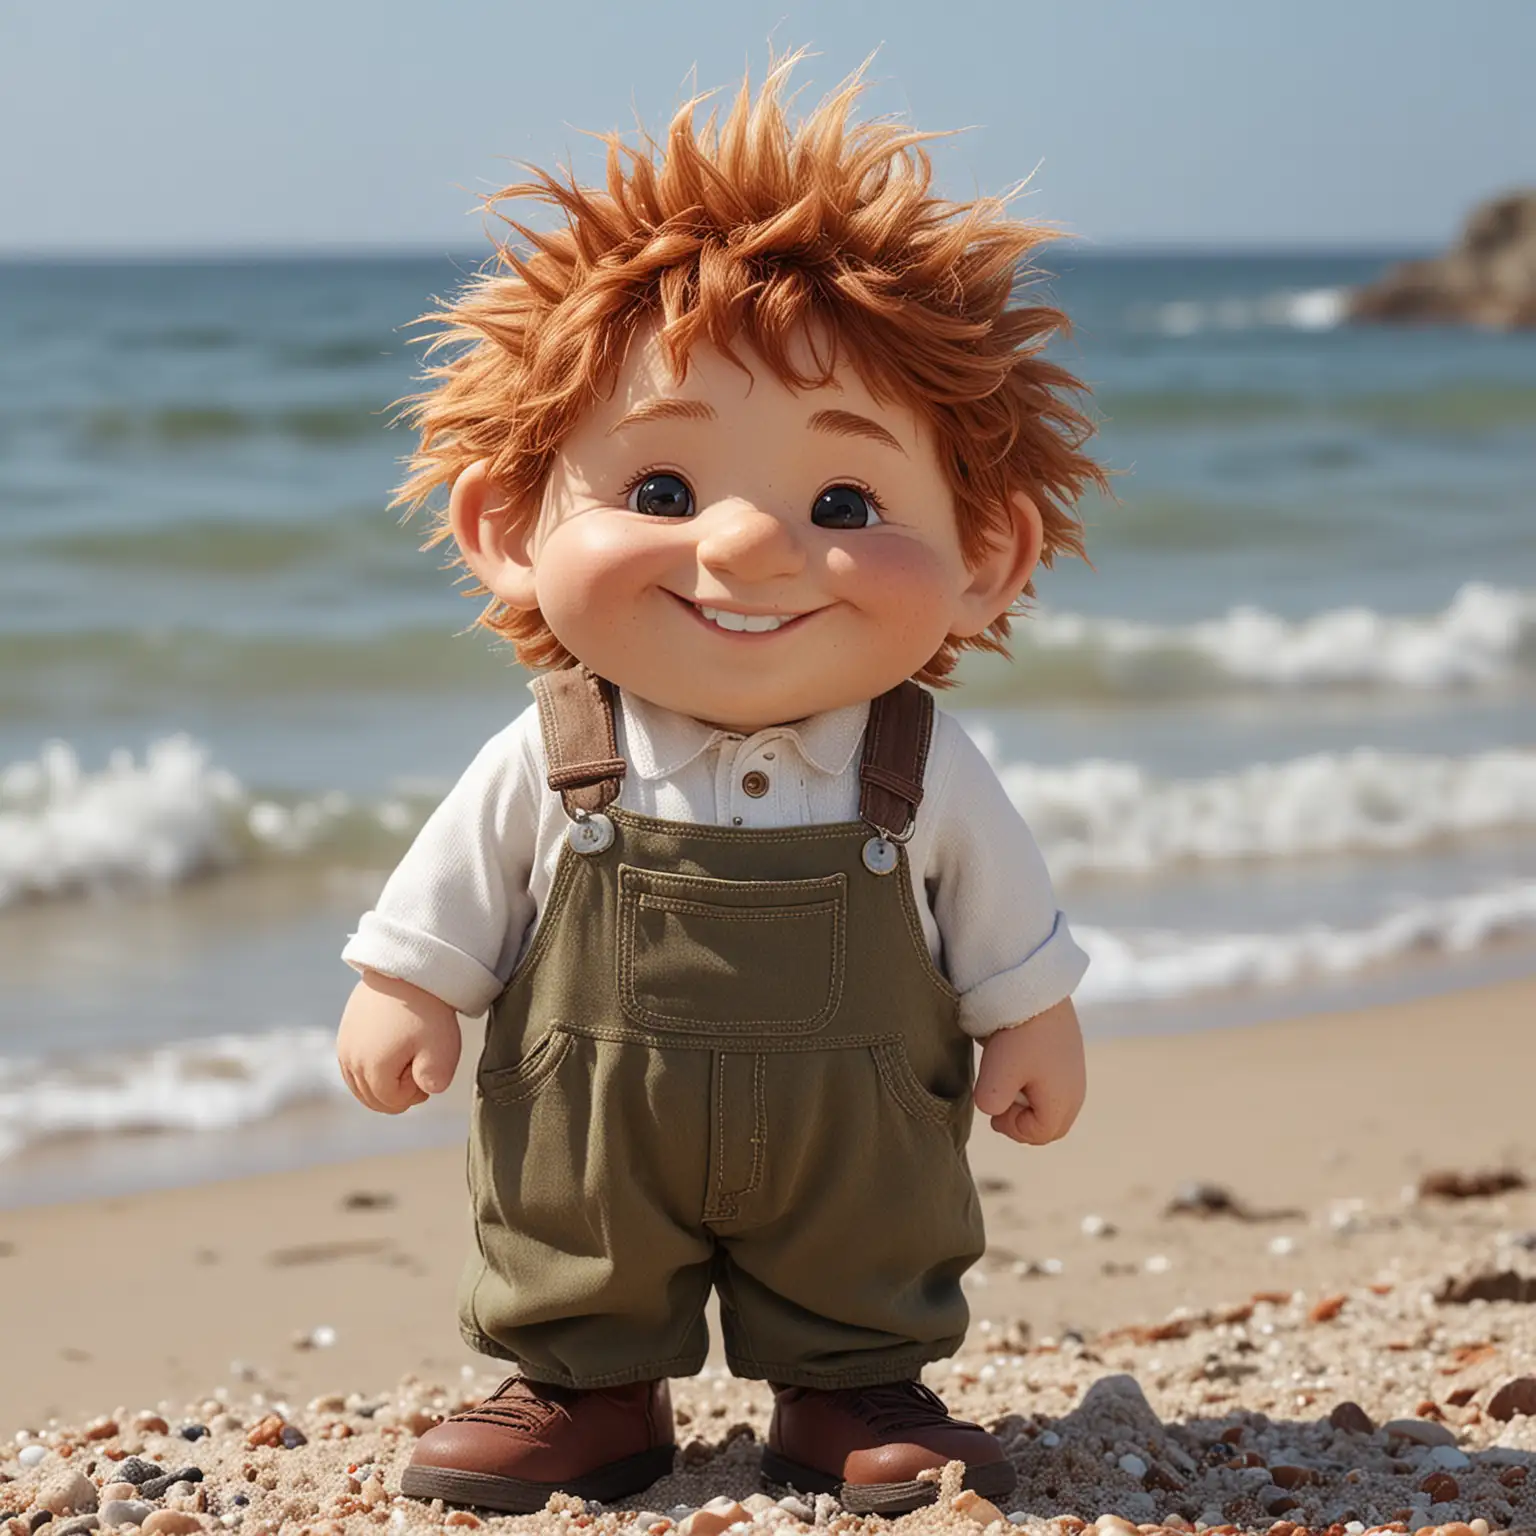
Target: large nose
(748,543)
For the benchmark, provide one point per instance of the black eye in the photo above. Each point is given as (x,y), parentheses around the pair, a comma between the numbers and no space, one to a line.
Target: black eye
(844,506)
(662,496)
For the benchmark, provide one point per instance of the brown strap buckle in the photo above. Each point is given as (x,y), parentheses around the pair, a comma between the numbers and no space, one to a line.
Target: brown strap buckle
(895,757)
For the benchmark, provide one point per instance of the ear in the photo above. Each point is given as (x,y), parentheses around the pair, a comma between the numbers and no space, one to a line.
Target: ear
(1003,572)
(494,536)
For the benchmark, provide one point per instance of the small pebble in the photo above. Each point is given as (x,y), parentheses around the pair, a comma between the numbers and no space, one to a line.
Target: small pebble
(30,1455)
(1420,1431)
(1352,1418)
(1517,1397)
(1049,1439)
(70,1493)
(1094,1225)
(75,1526)
(137,1471)
(158,1487)
(292,1436)
(1449,1457)
(971,1504)
(193,1431)
(116,1512)
(171,1522)
(1133,1465)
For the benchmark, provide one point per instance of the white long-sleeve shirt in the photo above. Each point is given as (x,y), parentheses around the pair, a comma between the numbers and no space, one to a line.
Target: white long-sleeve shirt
(465,900)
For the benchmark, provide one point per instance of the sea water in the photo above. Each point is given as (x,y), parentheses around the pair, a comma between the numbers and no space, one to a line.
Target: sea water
(1278,744)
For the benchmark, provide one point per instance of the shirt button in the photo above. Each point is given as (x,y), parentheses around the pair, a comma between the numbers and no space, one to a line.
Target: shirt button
(755,784)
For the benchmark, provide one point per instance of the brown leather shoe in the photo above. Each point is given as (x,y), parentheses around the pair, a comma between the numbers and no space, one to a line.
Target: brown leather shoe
(530,1439)
(867,1445)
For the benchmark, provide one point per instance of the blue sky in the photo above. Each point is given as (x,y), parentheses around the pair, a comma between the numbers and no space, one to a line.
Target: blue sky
(181,125)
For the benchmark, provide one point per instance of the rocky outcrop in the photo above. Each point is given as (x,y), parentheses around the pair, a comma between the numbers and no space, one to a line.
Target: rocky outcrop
(1488,278)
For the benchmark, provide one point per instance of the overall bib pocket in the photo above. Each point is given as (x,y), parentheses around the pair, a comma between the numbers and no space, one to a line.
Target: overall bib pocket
(706,956)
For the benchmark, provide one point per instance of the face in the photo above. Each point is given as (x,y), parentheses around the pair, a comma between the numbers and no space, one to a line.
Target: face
(734,550)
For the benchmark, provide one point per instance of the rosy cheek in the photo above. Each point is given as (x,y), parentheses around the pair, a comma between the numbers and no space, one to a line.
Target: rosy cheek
(897,579)
(588,565)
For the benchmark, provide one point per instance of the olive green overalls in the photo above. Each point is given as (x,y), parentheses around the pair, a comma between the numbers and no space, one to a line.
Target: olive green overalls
(725,1059)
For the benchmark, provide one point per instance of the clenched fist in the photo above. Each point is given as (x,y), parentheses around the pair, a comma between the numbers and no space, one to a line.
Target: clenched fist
(1033,1079)
(397,1045)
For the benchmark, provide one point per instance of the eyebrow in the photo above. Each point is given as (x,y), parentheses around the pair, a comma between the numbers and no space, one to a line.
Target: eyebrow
(851,424)
(664,410)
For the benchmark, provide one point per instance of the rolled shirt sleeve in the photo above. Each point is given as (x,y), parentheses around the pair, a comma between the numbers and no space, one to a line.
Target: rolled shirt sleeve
(452,917)
(1007,948)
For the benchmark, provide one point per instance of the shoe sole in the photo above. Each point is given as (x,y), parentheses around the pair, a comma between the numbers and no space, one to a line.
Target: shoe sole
(992,1480)
(517,1496)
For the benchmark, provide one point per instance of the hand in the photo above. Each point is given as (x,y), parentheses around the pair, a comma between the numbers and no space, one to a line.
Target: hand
(397,1045)
(1032,1078)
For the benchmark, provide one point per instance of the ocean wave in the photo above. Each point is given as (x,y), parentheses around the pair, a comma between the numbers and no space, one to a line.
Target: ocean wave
(1305,309)
(197,1085)
(1142,966)
(156,823)
(244,547)
(232,1080)
(175,815)
(1482,635)
(1115,818)
(190,425)
(1460,407)
(168,819)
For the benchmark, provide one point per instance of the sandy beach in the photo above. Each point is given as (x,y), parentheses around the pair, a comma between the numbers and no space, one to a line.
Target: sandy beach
(325,1297)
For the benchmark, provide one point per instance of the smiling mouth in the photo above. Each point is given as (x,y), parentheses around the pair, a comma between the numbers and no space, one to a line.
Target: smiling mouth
(734,623)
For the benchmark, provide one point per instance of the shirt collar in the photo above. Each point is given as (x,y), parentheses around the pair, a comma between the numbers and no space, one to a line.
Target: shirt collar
(660,743)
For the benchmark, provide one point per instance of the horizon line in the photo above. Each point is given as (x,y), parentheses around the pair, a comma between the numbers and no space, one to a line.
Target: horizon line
(340,251)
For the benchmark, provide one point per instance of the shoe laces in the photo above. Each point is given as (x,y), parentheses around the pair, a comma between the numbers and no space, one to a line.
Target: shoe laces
(895,1406)
(522,1404)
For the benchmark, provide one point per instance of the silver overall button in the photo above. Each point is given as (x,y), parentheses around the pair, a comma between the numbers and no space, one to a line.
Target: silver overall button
(592,834)
(880,855)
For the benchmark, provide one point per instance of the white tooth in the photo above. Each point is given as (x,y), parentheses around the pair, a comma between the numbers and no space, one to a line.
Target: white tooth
(760,623)
(731,621)
(709,613)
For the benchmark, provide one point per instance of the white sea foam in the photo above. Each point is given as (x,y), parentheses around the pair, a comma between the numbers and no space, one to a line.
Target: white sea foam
(1134,966)
(1478,637)
(1308,309)
(199,1085)
(156,822)
(162,820)
(174,815)
(1114,817)
(234,1080)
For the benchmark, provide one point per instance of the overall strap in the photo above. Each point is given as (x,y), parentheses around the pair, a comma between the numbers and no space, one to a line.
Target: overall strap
(895,755)
(576,719)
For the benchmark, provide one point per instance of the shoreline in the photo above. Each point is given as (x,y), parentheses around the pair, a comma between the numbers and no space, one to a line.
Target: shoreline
(317,1132)
(147,1296)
